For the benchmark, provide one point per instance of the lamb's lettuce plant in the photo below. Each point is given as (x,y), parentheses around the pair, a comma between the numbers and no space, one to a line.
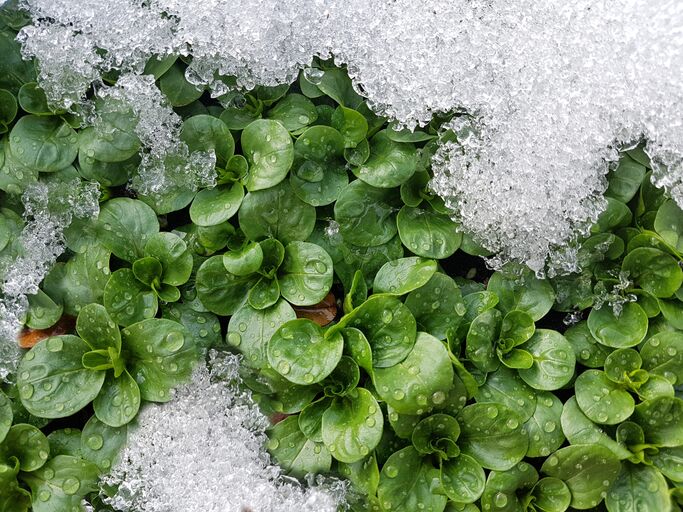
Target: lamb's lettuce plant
(432,383)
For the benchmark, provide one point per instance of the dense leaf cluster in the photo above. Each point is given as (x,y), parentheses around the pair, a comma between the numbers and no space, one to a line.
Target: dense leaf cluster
(429,391)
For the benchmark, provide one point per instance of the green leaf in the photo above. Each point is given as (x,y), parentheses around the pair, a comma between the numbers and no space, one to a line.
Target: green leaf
(618,331)
(296,454)
(462,479)
(407,135)
(311,419)
(300,351)
(8,108)
(543,428)
(322,144)
(52,381)
(662,354)
(306,274)
(351,124)
(419,382)
(388,326)
(366,215)
(127,299)
(438,434)
(662,421)
(625,180)
(357,347)
(407,480)
(65,441)
(294,111)
(6,415)
(162,354)
(620,364)
(264,293)
(336,84)
(524,292)
(43,312)
(33,100)
(204,326)
(97,329)
(427,233)
(27,444)
(176,88)
(482,335)
(62,483)
(672,311)
(616,215)
(553,361)
(669,224)
(147,270)
(588,471)
(505,490)
(363,474)
(352,426)
(114,137)
(586,348)
(581,430)
(102,444)
(390,163)
(174,256)
(124,226)
(602,400)
(244,261)
(670,462)
(220,291)
(207,133)
(505,386)
(14,498)
(108,174)
(358,155)
(437,306)
(318,184)
(119,400)
(269,151)
(343,379)
(46,144)
(517,327)
(638,488)
(493,435)
(404,275)
(654,271)
(276,213)
(551,495)
(357,294)
(213,206)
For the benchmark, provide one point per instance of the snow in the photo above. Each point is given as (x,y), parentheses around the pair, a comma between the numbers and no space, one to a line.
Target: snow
(551,90)
(205,452)
(49,208)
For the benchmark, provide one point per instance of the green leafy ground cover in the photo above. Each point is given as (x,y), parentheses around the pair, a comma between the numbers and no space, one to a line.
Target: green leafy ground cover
(436,387)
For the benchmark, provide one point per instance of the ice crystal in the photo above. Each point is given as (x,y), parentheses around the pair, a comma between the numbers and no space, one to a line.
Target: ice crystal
(166,160)
(49,207)
(551,89)
(204,452)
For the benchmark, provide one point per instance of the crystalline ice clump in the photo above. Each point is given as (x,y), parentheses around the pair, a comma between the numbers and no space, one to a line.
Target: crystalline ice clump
(166,160)
(49,208)
(553,88)
(204,452)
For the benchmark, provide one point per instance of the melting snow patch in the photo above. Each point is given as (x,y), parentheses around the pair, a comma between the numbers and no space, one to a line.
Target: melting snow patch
(553,88)
(205,452)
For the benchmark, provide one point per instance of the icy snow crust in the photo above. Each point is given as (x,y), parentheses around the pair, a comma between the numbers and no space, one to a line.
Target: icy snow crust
(551,89)
(201,453)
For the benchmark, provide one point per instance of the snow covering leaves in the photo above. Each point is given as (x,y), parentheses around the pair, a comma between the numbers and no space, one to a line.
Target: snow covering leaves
(161,468)
(552,88)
